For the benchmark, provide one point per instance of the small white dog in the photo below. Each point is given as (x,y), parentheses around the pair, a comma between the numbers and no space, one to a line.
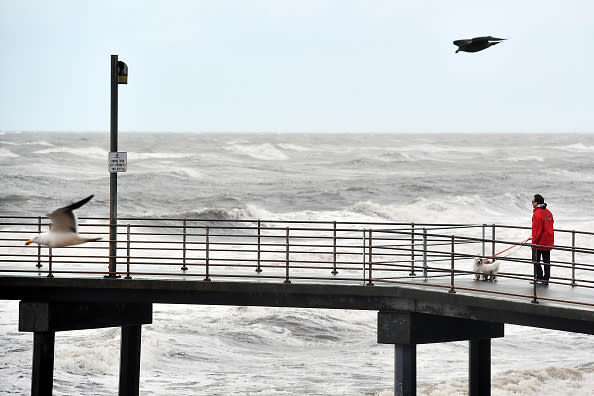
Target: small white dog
(485,268)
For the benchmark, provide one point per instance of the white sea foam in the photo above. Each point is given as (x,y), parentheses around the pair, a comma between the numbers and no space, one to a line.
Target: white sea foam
(86,152)
(437,148)
(143,156)
(293,147)
(31,143)
(576,147)
(265,152)
(4,153)
(527,158)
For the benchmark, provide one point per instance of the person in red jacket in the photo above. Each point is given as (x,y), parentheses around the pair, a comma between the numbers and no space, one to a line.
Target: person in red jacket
(543,235)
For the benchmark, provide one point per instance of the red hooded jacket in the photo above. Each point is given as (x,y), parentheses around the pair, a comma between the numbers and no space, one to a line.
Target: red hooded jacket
(542,228)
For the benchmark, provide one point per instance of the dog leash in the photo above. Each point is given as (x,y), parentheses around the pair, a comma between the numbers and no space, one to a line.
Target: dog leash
(518,245)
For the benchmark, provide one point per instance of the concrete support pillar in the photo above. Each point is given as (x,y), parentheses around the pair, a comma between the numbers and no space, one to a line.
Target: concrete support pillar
(407,329)
(43,363)
(405,370)
(45,318)
(130,360)
(479,368)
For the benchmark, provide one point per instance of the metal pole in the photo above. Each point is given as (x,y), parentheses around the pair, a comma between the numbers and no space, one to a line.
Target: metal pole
(370,283)
(50,275)
(573,258)
(493,241)
(452,289)
(39,246)
(534,280)
(259,269)
(484,227)
(412,250)
(128,252)
(184,267)
(334,271)
(364,258)
(425,269)
(113,177)
(207,243)
(287,258)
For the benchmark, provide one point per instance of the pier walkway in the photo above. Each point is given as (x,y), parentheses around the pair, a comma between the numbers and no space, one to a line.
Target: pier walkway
(418,277)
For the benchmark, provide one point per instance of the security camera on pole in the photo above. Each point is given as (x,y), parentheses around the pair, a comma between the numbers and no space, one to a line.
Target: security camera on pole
(117,161)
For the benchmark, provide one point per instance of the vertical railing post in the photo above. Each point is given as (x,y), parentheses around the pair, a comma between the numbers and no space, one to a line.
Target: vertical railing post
(452,288)
(573,282)
(38,245)
(493,241)
(287,258)
(259,268)
(412,249)
(50,263)
(370,283)
(184,267)
(207,248)
(334,271)
(364,241)
(534,279)
(484,235)
(425,267)
(128,252)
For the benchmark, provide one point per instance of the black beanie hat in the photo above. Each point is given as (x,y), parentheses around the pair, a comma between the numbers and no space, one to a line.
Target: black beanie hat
(538,199)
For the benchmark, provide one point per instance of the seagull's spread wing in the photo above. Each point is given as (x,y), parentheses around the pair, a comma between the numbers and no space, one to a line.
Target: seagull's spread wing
(486,38)
(63,220)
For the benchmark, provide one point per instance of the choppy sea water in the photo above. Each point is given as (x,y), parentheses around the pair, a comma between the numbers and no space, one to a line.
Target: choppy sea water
(189,350)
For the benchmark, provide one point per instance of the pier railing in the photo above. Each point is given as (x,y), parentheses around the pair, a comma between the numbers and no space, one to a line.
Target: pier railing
(366,254)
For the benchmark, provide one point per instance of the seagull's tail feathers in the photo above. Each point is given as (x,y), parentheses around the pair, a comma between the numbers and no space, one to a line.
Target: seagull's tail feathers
(91,239)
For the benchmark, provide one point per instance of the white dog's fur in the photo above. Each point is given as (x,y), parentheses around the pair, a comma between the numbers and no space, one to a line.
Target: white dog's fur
(485,268)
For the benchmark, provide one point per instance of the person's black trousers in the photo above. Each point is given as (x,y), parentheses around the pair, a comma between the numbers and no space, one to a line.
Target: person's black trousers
(545,255)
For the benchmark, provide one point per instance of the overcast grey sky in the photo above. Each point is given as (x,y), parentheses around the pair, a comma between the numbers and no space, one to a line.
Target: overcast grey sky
(298,66)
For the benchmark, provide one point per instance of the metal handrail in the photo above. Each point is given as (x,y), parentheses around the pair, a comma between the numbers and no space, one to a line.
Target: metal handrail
(372,253)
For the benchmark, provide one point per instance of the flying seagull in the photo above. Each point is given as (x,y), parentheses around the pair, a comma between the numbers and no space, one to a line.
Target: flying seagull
(476,44)
(63,230)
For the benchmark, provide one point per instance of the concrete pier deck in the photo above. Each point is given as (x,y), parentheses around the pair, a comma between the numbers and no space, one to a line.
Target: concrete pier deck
(512,308)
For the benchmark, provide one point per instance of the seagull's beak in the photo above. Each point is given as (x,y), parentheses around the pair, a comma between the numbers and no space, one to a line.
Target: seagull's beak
(28,242)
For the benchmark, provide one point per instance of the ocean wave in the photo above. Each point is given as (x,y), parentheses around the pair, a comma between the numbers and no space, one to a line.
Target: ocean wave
(264,152)
(4,153)
(459,209)
(86,152)
(576,147)
(507,208)
(143,156)
(180,172)
(33,143)
(81,355)
(13,199)
(99,153)
(528,158)
(438,148)
(293,147)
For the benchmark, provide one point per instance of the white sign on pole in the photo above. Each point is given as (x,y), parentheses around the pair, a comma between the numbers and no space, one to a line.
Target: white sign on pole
(117,162)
